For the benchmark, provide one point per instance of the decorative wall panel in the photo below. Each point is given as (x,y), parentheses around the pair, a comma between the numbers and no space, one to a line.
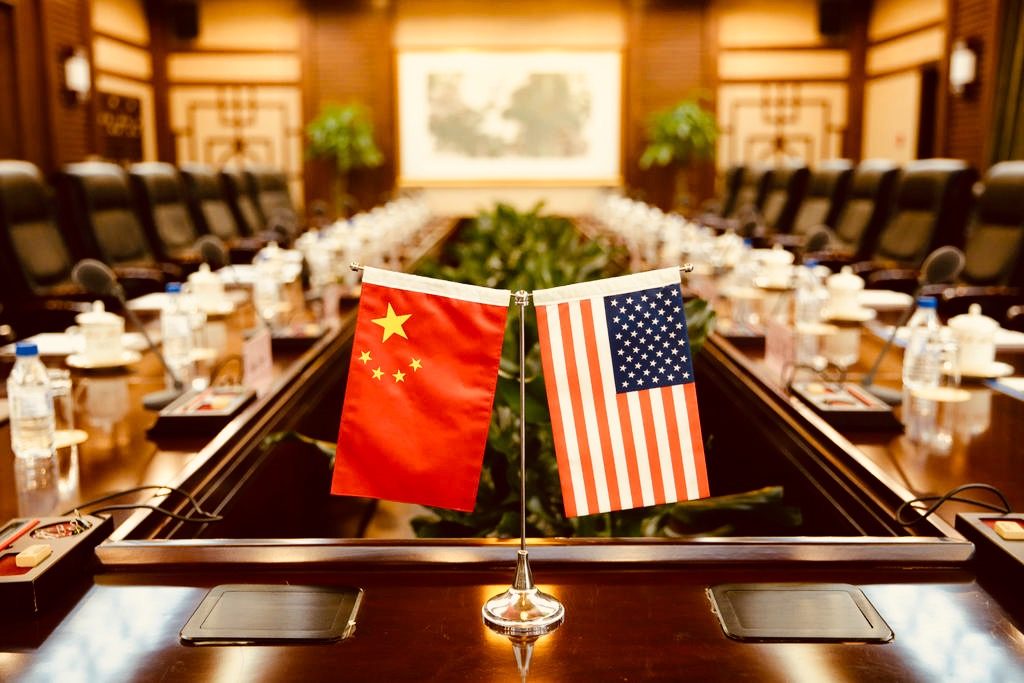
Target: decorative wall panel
(772,122)
(239,124)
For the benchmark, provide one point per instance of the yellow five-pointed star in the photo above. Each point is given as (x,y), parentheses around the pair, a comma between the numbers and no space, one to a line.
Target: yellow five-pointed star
(415,364)
(378,373)
(392,323)
(399,376)
(364,357)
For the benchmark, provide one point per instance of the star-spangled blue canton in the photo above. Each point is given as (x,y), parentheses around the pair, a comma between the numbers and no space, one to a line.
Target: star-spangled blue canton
(648,340)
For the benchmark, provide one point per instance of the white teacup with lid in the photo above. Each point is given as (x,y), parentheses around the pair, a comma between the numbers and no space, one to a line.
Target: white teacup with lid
(206,287)
(976,334)
(844,289)
(101,333)
(776,265)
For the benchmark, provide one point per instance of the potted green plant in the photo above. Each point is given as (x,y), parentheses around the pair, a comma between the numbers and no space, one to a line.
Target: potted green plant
(343,134)
(679,136)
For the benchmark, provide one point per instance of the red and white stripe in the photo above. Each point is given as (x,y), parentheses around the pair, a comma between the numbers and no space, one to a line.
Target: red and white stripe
(615,451)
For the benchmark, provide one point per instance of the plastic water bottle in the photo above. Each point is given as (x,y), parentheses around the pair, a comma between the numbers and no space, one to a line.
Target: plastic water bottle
(176,329)
(922,365)
(31,404)
(267,295)
(811,297)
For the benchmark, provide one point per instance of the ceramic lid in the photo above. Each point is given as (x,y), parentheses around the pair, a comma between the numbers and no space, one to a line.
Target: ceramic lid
(974,321)
(777,255)
(203,275)
(845,281)
(98,316)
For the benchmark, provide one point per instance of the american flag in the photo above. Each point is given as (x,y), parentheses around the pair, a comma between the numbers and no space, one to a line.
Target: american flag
(619,378)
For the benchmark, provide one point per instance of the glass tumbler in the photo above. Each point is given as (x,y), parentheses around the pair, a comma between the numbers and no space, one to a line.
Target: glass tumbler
(66,438)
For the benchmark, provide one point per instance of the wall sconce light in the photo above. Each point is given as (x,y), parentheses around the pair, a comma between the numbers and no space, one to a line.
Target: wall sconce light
(963,67)
(77,75)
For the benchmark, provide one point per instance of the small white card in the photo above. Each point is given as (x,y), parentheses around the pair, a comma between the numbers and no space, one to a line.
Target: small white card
(258,361)
(331,300)
(779,349)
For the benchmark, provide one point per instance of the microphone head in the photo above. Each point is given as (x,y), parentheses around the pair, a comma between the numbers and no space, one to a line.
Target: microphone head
(818,239)
(942,266)
(213,251)
(283,224)
(95,277)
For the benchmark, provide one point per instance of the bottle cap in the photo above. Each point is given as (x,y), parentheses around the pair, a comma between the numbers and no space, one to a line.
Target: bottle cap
(173,288)
(26,349)
(927,302)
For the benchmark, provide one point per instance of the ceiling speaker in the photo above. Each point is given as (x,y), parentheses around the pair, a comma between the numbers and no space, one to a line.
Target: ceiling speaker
(184,17)
(833,17)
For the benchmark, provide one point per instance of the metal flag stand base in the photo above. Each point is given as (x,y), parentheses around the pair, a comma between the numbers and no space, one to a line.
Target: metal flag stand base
(523,610)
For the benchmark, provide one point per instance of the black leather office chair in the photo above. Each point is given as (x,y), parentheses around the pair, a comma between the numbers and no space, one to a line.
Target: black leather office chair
(96,203)
(995,302)
(826,194)
(272,192)
(242,201)
(995,235)
(786,190)
(866,209)
(724,205)
(35,258)
(933,199)
(160,200)
(211,212)
(753,190)
(274,202)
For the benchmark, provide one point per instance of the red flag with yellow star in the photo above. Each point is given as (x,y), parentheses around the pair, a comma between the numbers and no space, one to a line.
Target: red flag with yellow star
(420,390)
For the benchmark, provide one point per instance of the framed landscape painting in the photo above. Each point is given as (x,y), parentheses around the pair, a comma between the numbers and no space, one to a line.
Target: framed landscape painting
(520,117)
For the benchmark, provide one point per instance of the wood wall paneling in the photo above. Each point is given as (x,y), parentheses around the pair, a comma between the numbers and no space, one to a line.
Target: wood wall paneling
(858,48)
(905,37)
(10,122)
(969,116)
(121,19)
(349,58)
(784,90)
(66,24)
(665,63)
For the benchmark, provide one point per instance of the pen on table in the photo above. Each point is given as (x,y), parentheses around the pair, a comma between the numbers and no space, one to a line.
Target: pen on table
(29,525)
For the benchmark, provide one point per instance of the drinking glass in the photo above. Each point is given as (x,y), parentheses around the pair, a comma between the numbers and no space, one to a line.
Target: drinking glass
(66,438)
(843,347)
(930,411)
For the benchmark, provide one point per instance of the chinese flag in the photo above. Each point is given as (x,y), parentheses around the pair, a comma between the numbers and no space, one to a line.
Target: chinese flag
(420,390)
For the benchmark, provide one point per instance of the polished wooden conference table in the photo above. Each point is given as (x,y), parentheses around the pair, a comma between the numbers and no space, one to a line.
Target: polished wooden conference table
(636,608)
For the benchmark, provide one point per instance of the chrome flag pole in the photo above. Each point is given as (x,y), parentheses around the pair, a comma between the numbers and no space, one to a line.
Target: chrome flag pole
(523,609)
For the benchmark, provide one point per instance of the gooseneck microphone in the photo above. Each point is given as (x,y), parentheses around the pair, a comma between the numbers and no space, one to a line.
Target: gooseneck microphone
(97,278)
(213,251)
(942,266)
(817,239)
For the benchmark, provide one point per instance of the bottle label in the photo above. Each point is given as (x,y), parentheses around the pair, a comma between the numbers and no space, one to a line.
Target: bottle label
(176,326)
(28,404)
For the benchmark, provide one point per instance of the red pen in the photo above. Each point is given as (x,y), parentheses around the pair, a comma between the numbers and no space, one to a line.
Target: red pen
(27,527)
(859,396)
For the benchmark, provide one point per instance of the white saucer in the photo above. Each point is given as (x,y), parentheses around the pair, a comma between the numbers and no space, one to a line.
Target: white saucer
(743,293)
(202,354)
(80,362)
(218,309)
(816,329)
(859,316)
(63,438)
(997,369)
(773,285)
